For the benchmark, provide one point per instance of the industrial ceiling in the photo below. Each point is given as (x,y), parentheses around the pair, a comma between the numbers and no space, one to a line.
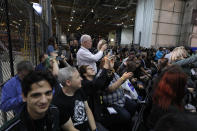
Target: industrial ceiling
(93,16)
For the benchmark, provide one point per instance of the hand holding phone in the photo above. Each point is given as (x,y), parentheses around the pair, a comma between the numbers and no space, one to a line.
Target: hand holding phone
(110,54)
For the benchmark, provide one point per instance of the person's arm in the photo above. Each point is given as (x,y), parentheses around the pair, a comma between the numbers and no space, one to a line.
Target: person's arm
(144,71)
(195,64)
(120,81)
(90,116)
(187,61)
(9,99)
(103,80)
(68,126)
(88,56)
(55,67)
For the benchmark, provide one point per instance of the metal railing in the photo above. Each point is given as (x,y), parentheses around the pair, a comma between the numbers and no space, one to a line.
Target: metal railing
(23,36)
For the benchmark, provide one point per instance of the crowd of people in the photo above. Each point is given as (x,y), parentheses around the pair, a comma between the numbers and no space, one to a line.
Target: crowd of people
(80,88)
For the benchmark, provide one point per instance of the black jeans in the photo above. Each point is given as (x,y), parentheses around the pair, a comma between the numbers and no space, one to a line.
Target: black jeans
(123,118)
(125,113)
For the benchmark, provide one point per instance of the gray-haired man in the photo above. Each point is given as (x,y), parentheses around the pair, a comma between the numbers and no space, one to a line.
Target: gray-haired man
(75,113)
(85,57)
(11,98)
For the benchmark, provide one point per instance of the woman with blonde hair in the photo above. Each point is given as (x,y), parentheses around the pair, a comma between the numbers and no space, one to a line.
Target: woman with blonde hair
(179,53)
(180,57)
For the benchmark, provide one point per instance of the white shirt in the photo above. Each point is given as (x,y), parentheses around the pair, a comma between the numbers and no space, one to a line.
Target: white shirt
(85,57)
(168,56)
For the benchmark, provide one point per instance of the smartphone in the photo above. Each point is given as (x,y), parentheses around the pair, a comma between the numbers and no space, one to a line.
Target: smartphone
(110,54)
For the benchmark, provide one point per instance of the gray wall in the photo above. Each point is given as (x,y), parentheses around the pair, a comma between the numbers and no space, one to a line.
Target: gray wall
(167,25)
(189,31)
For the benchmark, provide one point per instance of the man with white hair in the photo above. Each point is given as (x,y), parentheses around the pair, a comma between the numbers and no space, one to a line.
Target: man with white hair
(85,57)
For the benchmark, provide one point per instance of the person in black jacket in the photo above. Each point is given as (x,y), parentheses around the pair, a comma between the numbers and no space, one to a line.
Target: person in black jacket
(91,84)
(37,114)
(168,94)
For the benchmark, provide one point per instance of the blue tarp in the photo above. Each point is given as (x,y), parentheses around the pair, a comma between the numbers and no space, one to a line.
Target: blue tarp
(194,48)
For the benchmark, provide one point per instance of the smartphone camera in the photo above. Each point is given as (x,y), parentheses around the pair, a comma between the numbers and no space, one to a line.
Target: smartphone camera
(110,52)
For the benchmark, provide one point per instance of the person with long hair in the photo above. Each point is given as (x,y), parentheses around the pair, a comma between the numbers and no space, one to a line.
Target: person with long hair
(180,57)
(179,53)
(168,94)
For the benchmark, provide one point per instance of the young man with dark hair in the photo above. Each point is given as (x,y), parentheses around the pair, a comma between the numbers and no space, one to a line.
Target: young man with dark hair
(37,114)
(11,98)
(75,113)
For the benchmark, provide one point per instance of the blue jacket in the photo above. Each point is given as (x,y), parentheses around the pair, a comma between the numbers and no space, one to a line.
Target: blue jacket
(11,98)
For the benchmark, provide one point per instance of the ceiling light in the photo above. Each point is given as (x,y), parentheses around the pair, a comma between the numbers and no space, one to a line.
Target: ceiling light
(122,23)
(81,25)
(73,11)
(78,28)
(15,22)
(116,8)
(83,21)
(71,19)
(92,10)
(68,30)
(98,20)
(112,40)
(20,20)
(132,19)
(69,25)
(2,24)
(1,9)
(37,7)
